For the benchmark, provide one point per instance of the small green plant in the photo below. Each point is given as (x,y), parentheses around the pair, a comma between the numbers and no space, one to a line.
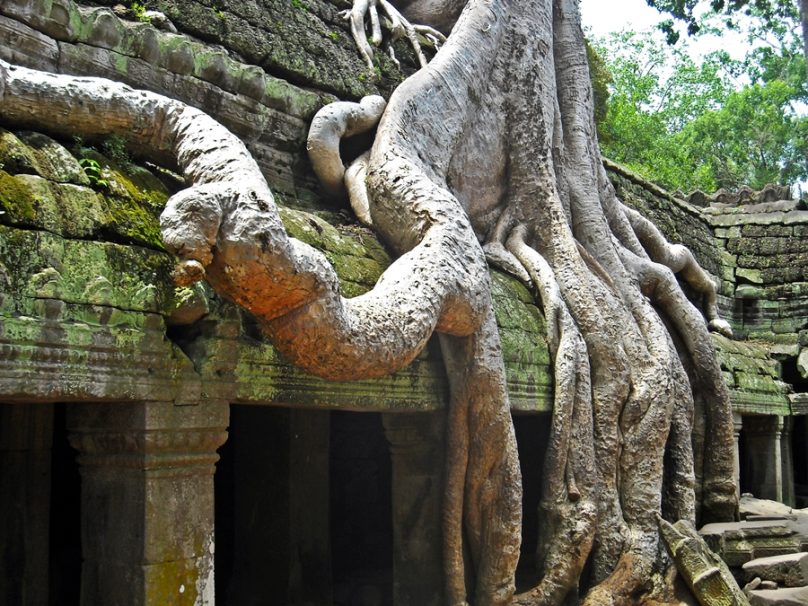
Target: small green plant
(139,12)
(300,5)
(94,173)
(220,14)
(114,147)
(334,36)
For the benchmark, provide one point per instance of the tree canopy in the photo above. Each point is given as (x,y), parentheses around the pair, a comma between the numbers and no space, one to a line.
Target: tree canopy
(716,122)
(771,10)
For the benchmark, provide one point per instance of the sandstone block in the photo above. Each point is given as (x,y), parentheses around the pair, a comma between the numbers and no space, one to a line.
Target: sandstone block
(789,570)
(789,596)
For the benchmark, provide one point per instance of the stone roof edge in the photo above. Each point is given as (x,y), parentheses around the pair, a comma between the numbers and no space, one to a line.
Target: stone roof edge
(652,187)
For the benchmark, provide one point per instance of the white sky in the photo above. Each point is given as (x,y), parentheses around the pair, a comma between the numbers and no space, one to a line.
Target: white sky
(604,16)
(601,17)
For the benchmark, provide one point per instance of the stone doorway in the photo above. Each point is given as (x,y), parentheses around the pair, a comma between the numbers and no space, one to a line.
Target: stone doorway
(303,509)
(40,508)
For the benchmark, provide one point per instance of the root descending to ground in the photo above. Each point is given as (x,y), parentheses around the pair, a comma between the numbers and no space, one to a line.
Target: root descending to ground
(502,118)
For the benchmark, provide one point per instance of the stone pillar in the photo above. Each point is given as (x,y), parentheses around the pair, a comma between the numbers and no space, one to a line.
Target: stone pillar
(787,458)
(764,456)
(416,451)
(737,426)
(147,501)
(26,437)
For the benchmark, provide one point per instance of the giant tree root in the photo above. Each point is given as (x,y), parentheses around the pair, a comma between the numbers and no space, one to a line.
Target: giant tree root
(623,448)
(490,147)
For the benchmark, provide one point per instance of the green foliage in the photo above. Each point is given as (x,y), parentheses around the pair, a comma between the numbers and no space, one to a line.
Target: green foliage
(139,12)
(772,11)
(94,173)
(300,5)
(716,123)
(601,79)
(114,147)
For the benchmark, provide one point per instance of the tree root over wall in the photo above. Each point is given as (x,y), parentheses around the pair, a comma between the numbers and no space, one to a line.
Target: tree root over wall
(487,152)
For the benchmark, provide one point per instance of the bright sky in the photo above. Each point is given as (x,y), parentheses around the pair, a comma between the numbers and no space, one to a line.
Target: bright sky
(603,17)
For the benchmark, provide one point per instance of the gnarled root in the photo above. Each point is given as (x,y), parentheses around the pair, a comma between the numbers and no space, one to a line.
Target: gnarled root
(568,506)
(329,126)
(679,260)
(399,26)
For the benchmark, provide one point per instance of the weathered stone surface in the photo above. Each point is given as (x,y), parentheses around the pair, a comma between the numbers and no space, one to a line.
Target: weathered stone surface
(789,570)
(740,542)
(779,597)
(802,363)
(52,161)
(799,403)
(754,377)
(268,111)
(704,572)
(23,44)
(147,503)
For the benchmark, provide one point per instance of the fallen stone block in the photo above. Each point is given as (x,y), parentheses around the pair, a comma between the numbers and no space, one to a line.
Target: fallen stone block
(791,596)
(789,570)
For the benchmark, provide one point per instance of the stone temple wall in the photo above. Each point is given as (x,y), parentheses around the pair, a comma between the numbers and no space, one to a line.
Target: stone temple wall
(146,374)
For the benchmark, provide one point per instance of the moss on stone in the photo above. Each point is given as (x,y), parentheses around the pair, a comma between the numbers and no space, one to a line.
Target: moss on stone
(45,265)
(15,156)
(52,160)
(134,198)
(17,202)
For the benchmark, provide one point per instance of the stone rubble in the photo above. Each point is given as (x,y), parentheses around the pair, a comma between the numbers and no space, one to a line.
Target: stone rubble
(767,549)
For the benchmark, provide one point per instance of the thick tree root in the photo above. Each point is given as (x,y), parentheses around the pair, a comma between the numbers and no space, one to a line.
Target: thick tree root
(620,386)
(329,126)
(679,260)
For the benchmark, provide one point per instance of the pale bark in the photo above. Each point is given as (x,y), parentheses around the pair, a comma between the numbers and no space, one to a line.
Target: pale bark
(804,19)
(532,182)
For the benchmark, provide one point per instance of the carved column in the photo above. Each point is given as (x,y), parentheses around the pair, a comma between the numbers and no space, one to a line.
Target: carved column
(147,501)
(26,437)
(764,456)
(737,426)
(416,451)
(787,458)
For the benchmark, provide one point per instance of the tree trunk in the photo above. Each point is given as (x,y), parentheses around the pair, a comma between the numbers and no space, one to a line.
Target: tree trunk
(494,142)
(804,19)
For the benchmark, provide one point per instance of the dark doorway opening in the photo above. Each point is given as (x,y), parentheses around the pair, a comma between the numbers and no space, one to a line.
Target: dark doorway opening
(532,436)
(65,517)
(799,451)
(303,509)
(361,511)
(40,507)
